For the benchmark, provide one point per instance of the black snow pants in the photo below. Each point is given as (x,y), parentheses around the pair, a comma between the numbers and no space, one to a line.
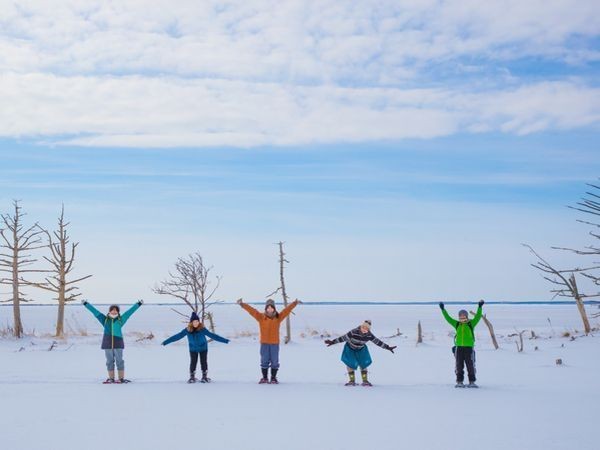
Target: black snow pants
(203,361)
(465,356)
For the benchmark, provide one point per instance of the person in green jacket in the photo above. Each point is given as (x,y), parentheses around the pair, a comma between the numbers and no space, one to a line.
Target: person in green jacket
(112,340)
(464,343)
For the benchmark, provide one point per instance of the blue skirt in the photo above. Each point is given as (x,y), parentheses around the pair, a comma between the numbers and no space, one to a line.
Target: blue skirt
(356,358)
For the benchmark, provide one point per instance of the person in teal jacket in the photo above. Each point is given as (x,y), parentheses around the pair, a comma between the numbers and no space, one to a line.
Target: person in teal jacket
(464,343)
(197,333)
(112,340)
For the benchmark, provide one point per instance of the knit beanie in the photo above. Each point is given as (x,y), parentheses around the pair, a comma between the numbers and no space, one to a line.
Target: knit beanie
(366,324)
(270,302)
(463,312)
(194,316)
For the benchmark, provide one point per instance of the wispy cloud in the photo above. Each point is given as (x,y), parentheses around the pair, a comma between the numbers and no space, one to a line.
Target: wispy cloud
(244,74)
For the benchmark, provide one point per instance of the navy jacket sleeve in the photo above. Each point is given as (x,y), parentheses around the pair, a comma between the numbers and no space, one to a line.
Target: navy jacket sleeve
(215,337)
(176,337)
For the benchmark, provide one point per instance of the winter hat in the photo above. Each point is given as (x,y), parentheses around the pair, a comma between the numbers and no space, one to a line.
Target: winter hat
(194,316)
(463,312)
(270,302)
(366,324)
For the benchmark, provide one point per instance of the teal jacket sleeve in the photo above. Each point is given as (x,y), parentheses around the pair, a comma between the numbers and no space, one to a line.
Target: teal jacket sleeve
(449,319)
(97,314)
(477,317)
(127,314)
(176,337)
(215,337)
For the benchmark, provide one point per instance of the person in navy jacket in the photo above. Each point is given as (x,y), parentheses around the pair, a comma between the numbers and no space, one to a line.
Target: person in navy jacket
(197,333)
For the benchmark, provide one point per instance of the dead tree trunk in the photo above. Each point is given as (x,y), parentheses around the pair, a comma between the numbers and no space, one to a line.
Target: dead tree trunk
(282,261)
(419,333)
(490,328)
(580,305)
(62,257)
(17,242)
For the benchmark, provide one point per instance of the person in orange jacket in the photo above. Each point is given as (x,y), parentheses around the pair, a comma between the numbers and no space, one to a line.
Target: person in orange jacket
(269,323)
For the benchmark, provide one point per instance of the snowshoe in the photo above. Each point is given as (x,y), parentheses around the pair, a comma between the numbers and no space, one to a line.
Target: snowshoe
(350,383)
(472,385)
(205,379)
(123,381)
(192,380)
(109,381)
(274,381)
(366,383)
(263,381)
(460,384)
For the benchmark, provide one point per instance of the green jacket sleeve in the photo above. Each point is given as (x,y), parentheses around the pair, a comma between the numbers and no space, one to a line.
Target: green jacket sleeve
(127,314)
(477,317)
(97,314)
(449,319)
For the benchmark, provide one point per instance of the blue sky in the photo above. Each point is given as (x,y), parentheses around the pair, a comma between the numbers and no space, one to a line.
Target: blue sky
(403,150)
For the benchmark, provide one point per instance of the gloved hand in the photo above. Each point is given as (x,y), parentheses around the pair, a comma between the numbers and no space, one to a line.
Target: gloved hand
(392,347)
(84,302)
(239,301)
(140,302)
(163,344)
(329,342)
(481,302)
(442,305)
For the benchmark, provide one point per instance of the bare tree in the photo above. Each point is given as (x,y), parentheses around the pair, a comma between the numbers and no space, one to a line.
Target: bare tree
(15,259)
(190,282)
(589,204)
(62,257)
(281,288)
(565,284)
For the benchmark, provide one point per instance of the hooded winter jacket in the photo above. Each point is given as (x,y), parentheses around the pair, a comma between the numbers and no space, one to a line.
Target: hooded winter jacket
(465,334)
(269,326)
(113,328)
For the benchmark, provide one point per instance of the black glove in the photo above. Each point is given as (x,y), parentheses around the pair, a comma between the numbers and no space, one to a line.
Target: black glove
(329,342)
(442,305)
(84,302)
(391,348)
(140,302)
(481,302)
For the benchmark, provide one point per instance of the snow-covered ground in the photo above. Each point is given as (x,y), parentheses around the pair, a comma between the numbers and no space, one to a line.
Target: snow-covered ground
(54,399)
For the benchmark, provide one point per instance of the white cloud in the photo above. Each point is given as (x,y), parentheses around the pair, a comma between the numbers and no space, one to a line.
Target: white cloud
(248,73)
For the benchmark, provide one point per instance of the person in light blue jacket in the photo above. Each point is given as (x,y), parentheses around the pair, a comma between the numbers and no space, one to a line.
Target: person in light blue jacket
(197,333)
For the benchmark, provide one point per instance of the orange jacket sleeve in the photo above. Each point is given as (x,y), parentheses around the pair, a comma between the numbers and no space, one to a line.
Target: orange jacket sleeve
(253,312)
(287,310)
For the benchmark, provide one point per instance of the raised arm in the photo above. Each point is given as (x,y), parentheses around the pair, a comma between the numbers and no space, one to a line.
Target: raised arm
(253,312)
(449,319)
(97,314)
(478,314)
(215,337)
(288,309)
(175,337)
(127,314)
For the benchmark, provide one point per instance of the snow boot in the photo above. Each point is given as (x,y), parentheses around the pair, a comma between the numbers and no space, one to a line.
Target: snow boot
(365,380)
(351,379)
(459,384)
(274,376)
(205,378)
(265,376)
(111,377)
(192,378)
(472,385)
(122,378)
